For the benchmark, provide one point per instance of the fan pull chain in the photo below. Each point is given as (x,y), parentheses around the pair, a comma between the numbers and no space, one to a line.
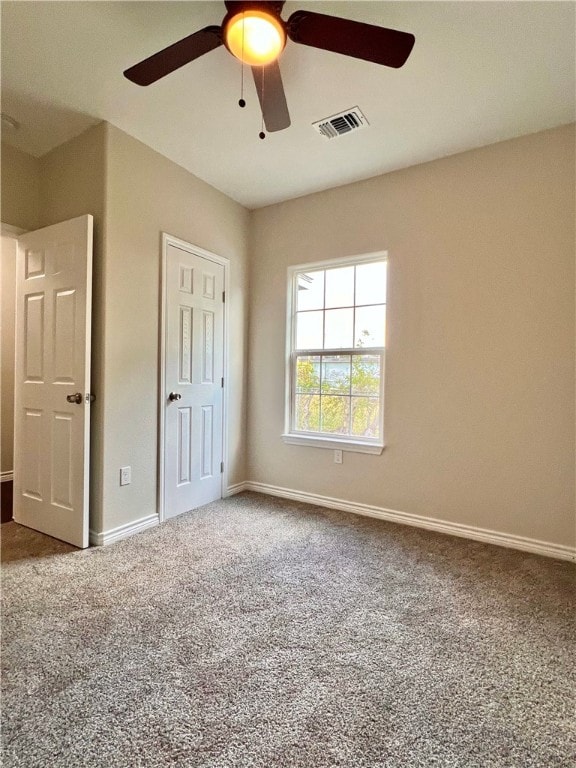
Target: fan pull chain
(242,103)
(262,135)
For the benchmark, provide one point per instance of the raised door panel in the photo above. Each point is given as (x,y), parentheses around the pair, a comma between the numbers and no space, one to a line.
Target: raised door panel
(185,345)
(207,442)
(31,475)
(62,258)
(62,463)
(207,366)
(186,279)
(64,336)
(34,264)
(184,446)
(208,285)
(34,304)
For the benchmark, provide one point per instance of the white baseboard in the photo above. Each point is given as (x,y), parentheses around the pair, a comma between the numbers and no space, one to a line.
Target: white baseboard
(122,531)
(234,489)
(548,549)
(5,477)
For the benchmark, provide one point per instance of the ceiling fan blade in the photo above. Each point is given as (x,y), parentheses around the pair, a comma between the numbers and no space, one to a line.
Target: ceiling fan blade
(351,38)
(175,56)
(271,95)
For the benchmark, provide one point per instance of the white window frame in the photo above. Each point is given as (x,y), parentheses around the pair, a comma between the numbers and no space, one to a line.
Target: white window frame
(315,439)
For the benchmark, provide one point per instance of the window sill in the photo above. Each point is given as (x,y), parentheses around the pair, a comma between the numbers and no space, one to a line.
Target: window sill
(333,443)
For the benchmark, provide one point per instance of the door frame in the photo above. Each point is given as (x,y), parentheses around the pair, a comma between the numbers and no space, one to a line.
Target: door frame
(168,240)
(12,232)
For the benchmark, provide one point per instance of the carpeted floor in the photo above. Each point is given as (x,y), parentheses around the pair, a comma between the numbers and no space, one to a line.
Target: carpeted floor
(256,633)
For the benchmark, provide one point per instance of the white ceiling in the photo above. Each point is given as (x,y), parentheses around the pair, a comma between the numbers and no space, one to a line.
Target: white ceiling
(480,72)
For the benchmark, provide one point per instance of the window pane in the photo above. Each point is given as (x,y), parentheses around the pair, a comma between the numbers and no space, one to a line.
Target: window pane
(338,328)
(337,371)
(335,414)
(336,374)
(370,326)
(308,374)
(310,293)
(365,417)
(371,283)
(366,375)
(307,415)
(309,330)
(340,287)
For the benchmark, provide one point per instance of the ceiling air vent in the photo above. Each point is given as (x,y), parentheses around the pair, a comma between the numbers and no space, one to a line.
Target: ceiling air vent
(340,124)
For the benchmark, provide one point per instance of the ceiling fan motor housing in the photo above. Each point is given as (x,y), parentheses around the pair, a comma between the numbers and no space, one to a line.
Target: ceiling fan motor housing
(237,6)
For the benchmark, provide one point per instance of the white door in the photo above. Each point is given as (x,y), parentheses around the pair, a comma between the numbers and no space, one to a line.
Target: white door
(52,380)
(193,379)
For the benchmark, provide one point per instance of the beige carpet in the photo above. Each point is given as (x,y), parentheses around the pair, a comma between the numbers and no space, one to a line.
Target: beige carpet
(256,633)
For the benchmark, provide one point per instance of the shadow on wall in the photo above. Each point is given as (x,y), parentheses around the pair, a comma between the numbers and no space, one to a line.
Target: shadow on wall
(43,125)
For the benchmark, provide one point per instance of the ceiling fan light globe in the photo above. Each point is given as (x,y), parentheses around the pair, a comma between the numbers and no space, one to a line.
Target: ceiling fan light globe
(255,37)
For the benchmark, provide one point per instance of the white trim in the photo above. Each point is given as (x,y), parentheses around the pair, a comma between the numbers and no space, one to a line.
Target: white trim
(10,231)
(162,379)
(123,531)
(167,240)
(313,441)
(546,548)
(7,230)
(232,490)
(343,261)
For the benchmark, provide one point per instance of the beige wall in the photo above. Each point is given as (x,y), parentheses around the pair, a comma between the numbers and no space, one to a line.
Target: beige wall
(67,182)
(479,415)
(20,196)
(147,195)
(135,194)
(20,188)
(480,362)
(7,299)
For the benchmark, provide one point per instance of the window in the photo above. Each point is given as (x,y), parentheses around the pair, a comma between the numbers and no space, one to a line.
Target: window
(336,346)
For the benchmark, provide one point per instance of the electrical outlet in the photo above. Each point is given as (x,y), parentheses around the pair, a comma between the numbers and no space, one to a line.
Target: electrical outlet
(337,456)
(125,475)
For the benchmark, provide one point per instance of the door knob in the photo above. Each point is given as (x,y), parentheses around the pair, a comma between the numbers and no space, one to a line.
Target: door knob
(76,398)
(174,396)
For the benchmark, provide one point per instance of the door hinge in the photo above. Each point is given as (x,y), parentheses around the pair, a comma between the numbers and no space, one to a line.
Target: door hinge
(223,297)
(222,381)
(221,467)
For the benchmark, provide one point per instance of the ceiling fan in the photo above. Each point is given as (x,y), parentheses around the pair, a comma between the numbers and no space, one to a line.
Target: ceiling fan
(255,33)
